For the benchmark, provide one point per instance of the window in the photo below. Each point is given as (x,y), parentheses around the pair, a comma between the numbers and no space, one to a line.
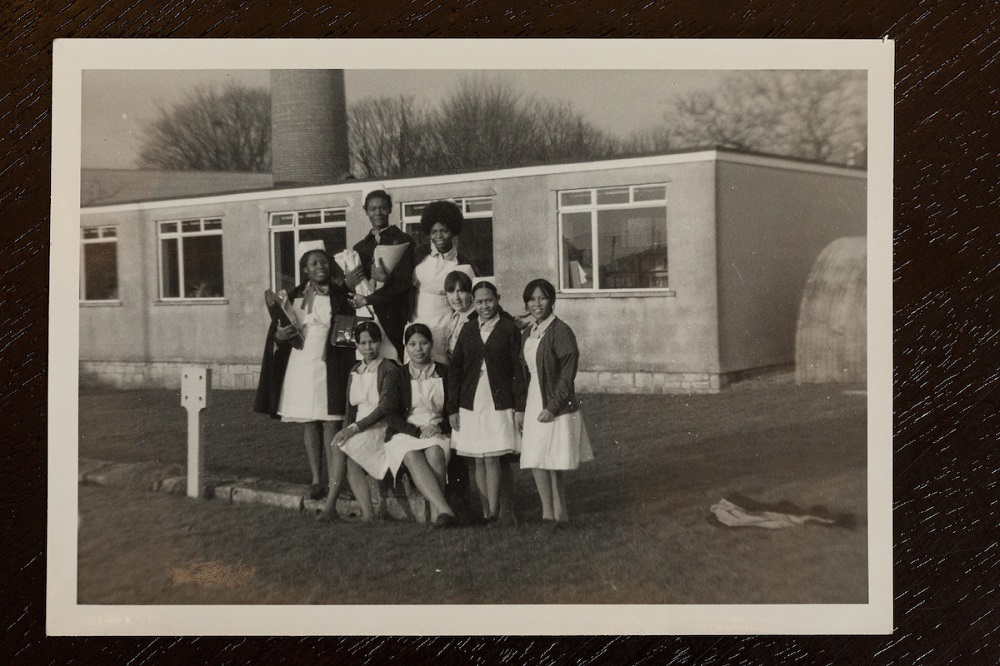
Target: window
(476,240)
(291,228)
(191,259)
(99,281)
(613,238)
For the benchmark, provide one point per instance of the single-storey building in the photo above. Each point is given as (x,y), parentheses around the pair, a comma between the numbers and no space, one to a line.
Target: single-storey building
(678,272)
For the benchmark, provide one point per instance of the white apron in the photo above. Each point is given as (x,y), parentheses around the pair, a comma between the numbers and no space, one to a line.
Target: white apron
(367,448)
(432,301)
(560,444)
(428,405)
(484,430)
(303,391)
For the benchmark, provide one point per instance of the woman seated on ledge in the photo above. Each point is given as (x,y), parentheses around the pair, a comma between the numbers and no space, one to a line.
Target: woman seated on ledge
(418,433)
(368,390)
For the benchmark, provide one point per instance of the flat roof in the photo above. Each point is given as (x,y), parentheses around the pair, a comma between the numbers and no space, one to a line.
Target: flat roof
(359,185)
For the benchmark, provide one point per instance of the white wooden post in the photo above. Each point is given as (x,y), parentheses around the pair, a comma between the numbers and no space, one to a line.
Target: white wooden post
(195,385)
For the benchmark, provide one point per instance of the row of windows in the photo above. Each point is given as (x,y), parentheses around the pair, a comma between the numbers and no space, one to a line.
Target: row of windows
(613,238)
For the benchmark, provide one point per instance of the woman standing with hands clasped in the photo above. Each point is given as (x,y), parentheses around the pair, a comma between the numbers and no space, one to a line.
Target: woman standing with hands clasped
(486,393)
(554,438)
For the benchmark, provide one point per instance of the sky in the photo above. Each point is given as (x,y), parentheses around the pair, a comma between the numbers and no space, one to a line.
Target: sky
(116,103)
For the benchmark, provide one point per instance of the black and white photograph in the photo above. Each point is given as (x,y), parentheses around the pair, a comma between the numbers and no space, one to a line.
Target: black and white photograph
(479,338)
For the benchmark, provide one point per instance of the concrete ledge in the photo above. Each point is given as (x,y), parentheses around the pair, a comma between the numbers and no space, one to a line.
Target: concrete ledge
(390,501)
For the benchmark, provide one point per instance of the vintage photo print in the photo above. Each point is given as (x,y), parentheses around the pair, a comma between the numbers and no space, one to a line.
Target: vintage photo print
(470,337)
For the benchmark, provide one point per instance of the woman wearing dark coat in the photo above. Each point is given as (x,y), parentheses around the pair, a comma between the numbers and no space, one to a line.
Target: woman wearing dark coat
(486,393)
(308,385)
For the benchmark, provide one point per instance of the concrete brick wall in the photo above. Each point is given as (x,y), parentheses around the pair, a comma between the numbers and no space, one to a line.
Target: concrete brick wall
(158,374)
(649,382)
(242,376)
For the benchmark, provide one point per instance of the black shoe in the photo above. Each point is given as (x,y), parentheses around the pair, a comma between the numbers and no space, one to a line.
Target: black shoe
(444,520)
(317,491)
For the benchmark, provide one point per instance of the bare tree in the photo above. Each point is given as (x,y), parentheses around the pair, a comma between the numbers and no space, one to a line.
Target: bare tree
(567,135)
(388,137)
(816,115)
(212,129)
(483,124)
(647,142)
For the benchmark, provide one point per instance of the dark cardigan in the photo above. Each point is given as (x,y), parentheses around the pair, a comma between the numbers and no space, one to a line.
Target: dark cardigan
(400,402)
(502,353)
(384,380)
(557,361)
(338,360)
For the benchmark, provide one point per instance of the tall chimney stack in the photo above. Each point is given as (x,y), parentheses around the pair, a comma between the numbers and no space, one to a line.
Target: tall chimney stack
(308,126)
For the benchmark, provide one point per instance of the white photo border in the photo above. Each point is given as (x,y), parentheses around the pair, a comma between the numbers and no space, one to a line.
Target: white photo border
(65,616)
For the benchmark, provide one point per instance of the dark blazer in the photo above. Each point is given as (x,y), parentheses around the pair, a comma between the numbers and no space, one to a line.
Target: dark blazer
(557,361)
(400,402)
(384,380)
(391,301)
(338,360)
(502,353)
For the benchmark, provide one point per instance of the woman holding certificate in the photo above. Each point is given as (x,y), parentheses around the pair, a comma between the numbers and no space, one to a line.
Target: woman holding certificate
(303,377)
(441,221)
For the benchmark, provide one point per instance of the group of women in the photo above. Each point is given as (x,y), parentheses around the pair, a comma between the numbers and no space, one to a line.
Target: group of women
(477,383)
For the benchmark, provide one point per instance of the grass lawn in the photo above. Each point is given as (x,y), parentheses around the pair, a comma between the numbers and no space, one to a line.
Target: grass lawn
(640,532)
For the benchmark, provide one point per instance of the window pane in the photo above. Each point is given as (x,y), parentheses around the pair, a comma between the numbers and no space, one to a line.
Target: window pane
(211,225)
(203,267)
(612,195)
(334,239)
(109,232)
(476,243)
(285,270)
(478,205)
(309,217)
(413,210)
(578,254)
(335,216)
(281,219)
(190,225)
(632,248)
(92,232)
(650,193)
(574,198)
(100,270)
(170,268)
(413,228)
(168,227)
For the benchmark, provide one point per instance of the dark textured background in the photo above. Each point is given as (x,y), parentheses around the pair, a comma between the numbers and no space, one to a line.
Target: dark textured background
(946,338)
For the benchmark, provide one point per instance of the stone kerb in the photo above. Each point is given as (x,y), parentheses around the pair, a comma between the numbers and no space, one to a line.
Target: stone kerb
(391,501)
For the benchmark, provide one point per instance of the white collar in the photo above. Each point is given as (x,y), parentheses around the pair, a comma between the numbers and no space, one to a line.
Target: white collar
(450,255)
(490,324)
(539,328)
(369,367)
(427,372)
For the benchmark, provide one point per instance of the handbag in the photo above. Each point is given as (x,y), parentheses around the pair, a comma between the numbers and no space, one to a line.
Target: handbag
(342,334)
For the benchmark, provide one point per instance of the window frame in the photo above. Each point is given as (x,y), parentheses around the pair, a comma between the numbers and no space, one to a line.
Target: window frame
(101,239)
(593,208)
(179,234)
(294,227)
